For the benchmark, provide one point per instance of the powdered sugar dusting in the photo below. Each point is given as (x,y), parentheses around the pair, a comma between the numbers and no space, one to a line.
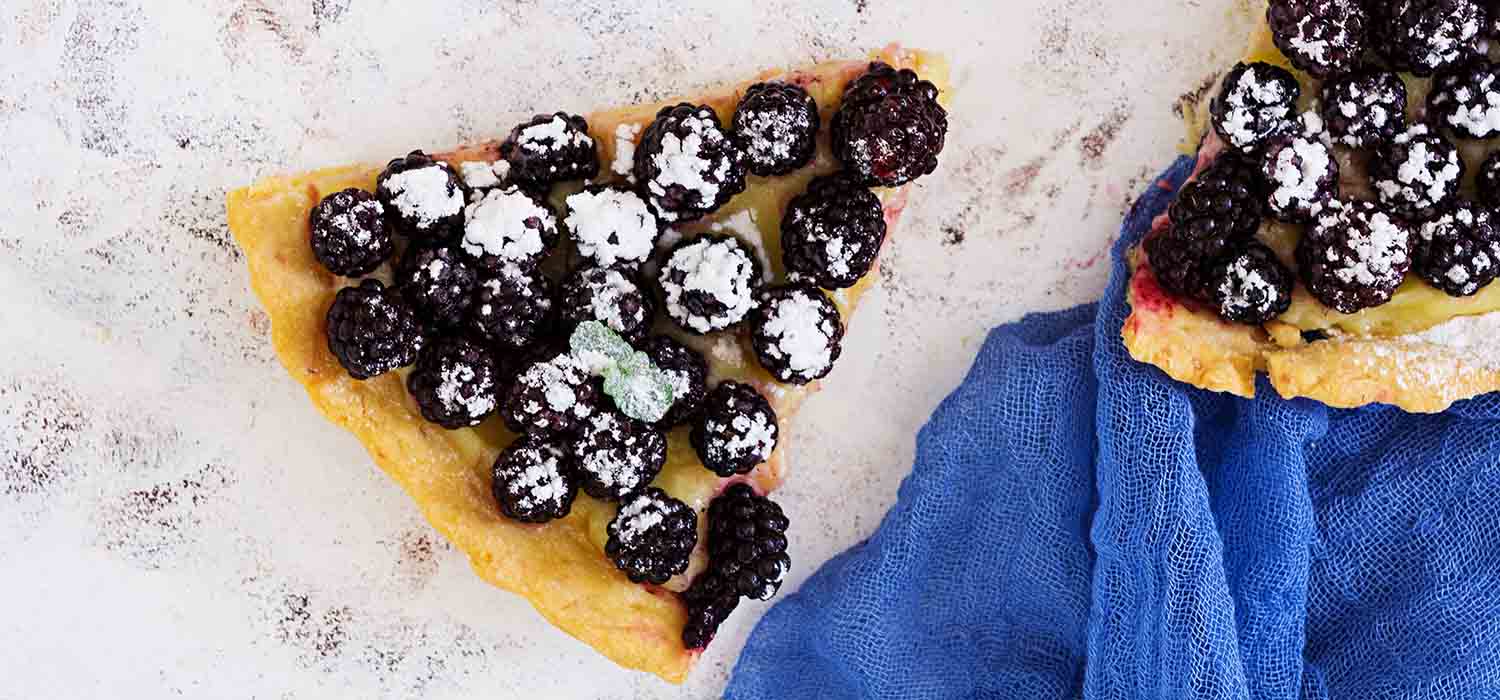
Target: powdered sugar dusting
(506,224)
(718,268)
(803,334)
(639,515)
(612,226)
(425,194)
(624,162)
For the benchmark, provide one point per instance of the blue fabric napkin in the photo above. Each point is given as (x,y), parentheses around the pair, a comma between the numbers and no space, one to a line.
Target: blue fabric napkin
(1079,525)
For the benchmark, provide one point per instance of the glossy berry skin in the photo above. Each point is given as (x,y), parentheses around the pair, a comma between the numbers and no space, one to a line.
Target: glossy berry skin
(777,126)
(652,537)
(372,331)
(1322,37)
(832,233)
(890,128)
(349,234)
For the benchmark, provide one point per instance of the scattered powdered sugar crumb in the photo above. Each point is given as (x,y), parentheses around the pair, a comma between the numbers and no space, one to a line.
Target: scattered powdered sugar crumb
(744,225)
(478,174)
(1471,337)
(728,351)
(612,226)
(498,225)
(639,515)
(625,137)
(424,194)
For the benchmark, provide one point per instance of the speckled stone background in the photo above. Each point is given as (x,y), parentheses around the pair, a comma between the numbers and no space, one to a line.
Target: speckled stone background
(174,516)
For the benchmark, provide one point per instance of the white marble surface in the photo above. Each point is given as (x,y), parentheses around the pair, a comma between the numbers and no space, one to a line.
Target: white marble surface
(174,516)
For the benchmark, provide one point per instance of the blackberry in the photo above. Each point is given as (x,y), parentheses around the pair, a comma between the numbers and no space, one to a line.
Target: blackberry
(438,283)
(618,455)
(777,126)
(1302,173)
(609,295)
(747,542)
(612,226)
(372,331)
(1220,209)
(709,283)
(689,373)
(1364,109)
(454,383)
(736,431)
(535,480)
(832,233)
(512,307)
(1417,173)
(1422,36)
(551,397)
(707,610)
(1487,182)
(1458,252)
(652,537)
(686,165)
(551,148)
(1252,286)
(1466,99)
(349,233)
(1354,256)
(424,197)
(797,333)
(1322,37)
(509,226)
(889,128)
(1257,103)
(1180,268)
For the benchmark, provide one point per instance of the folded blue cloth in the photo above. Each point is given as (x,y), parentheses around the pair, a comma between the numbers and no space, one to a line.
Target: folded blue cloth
(1079,525)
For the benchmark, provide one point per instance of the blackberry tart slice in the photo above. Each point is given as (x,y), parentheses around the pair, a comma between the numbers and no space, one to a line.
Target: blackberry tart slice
(1374,271)
(533,529)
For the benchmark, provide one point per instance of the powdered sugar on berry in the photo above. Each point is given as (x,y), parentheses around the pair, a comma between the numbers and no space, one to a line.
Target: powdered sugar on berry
(682,164)
(1250,102)
(803,334)
(506,224)
(456,388)
(425,195)
(554,134)
(1425,175)
(717,268)
(639,515)
(612,226)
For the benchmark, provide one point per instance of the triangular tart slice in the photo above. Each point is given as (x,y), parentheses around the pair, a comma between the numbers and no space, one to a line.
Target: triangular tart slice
(560,567)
